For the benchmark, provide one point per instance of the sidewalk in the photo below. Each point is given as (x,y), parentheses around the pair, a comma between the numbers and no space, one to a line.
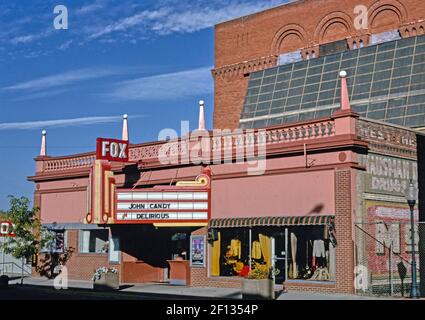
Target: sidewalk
(165,291)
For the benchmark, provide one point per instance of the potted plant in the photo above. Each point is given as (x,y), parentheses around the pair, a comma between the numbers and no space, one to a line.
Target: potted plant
(106,279)
(259,284)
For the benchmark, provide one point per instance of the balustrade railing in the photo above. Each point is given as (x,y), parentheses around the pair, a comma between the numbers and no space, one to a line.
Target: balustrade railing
(225,141)
(68,163)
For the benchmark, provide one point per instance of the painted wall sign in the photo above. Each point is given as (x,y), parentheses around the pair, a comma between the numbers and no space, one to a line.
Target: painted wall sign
(112,150)
(375,132)
(386,227)
(6,229)
(197,251)
(388,175)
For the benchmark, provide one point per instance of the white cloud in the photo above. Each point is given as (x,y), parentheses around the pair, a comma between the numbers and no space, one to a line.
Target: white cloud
(196,19)
(165,86)
(65,45)
(143,17)
(65,78)
(185,17)
(25,39)
(39,95)
(32,125)
(88,8)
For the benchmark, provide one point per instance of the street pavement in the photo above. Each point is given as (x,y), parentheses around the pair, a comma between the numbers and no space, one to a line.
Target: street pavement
(43,289)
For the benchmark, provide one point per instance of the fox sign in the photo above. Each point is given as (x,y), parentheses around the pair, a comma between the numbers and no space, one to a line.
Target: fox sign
(112,150)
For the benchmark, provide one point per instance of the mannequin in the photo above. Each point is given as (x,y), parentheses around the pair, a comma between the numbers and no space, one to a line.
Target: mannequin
(294,241)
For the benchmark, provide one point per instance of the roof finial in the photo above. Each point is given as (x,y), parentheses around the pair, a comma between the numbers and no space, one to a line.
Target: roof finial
(345,100)
(125,127)
(43,144)
(201,123)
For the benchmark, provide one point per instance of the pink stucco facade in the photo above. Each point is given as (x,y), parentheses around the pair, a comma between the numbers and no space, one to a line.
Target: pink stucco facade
(310,169)
(63,207)
(291,194)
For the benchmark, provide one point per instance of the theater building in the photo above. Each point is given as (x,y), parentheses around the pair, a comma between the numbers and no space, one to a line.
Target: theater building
(320,149)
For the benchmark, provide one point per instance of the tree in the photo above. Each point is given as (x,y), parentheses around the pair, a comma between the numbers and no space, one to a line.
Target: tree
(3,215)
(30,237)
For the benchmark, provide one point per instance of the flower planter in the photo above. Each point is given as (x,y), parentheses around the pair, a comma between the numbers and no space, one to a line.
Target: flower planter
(108,281)
(258,289)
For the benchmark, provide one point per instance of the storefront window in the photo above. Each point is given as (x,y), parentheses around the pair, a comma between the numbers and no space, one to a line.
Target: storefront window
(179,246)
(230,253)
(93,241)
(57,243)
(114,249)
(261,249)
(311,253)
(295,252)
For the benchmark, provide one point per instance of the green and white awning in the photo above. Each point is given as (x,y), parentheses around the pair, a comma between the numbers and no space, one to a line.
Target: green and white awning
(272,221)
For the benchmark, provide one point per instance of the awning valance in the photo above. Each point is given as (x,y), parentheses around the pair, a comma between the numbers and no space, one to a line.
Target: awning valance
(272,221)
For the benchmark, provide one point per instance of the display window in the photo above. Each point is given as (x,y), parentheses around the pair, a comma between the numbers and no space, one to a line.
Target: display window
(57,243)
(94,241)
(311,253)
(287,253)
(230,252)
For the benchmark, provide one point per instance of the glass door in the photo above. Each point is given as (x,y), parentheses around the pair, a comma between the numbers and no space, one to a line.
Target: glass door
(279,249)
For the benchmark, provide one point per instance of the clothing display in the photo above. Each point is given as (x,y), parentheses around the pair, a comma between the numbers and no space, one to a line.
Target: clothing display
(304,253)
(265,244)
(215,259)
(312,254)
(236,248)
(332,234)
(294,255)
(319,248)
(326,232)
(256,250)
(321,274)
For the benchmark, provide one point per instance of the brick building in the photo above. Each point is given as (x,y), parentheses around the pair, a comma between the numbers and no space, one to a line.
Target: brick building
(324,173)
(380,53)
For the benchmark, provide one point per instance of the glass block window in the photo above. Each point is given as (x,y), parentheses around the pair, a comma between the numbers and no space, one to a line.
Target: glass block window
(386,82)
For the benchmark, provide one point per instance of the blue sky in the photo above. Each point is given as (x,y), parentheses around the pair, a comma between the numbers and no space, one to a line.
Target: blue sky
(149,59)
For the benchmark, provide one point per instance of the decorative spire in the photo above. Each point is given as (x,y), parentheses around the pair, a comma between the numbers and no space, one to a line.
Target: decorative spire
(345,100)
(201,123)
(43,144)
(124,127)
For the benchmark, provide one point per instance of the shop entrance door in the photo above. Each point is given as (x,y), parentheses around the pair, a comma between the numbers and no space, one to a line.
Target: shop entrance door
(279,249)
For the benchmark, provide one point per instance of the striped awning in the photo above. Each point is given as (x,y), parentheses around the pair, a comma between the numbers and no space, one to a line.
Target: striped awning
(271,221)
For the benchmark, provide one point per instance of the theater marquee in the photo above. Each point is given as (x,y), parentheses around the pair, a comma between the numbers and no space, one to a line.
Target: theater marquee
(186,203)
(165,205)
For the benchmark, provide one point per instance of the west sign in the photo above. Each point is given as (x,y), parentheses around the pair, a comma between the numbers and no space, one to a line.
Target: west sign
(112,150)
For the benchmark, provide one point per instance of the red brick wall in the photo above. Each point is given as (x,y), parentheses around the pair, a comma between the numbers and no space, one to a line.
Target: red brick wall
(140,272)
(253,42)
(343,226)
